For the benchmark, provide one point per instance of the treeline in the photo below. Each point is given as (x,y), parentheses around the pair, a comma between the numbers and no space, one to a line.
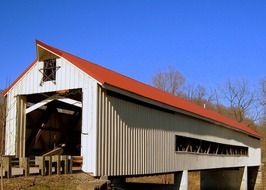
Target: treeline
(236,99)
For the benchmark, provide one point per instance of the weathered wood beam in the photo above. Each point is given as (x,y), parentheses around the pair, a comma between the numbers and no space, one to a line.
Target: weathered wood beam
(39,104)
(52,98)
(71,102)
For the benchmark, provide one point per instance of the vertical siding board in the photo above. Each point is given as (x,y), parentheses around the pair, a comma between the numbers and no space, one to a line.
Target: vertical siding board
(141,151)
(157,140)
(138,150)
(146,162)
(116,141)
(121,145)
(125,147)
(114,136)
(99,132)
(103,134)
(148,150)
(133,161)
(152,151)
(168,158)
(98,148)
(144,158)
(135,151)
(106,136)
(110,141)
(144,151)
(163,150)
(130,151)
(156,157)
(150,164)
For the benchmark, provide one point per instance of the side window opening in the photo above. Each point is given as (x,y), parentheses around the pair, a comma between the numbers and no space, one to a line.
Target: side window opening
(198,146)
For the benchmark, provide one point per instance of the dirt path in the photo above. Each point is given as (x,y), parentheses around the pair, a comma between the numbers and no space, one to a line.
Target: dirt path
(79,181)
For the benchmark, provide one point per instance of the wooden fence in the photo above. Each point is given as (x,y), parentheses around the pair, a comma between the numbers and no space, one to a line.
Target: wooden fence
(41,165)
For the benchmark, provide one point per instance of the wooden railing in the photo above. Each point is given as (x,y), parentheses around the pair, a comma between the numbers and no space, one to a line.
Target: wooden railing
(42,165)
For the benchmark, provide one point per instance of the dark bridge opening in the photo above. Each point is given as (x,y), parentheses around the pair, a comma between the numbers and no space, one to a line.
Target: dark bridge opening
(55,125)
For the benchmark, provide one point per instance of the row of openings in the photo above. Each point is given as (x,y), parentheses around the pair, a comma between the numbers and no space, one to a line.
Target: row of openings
(187,144)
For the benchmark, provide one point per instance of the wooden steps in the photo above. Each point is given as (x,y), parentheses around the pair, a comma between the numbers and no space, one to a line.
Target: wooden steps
(77,162)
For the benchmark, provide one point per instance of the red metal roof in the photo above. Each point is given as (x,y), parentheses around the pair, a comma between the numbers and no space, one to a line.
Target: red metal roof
(107,76)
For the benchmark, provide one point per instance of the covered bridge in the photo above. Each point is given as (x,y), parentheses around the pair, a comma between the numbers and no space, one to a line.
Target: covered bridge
(120,126)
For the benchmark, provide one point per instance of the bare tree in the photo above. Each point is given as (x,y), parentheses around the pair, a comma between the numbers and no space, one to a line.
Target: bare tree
(240,99)
(170,81)
(263,93)
(198,94)
(235,99)
(173,82)
(262,100)
(2,133)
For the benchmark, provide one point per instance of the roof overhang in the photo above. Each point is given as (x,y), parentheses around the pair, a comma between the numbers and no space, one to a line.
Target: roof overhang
(43,53)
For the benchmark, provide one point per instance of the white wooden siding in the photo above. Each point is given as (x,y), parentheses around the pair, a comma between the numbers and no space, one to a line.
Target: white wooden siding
(134,139)
(68,76)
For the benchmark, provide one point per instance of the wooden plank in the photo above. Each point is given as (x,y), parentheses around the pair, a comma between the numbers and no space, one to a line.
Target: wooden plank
(48,160)
(56,159)
(7,166)
(24,163)
(39,104)
(39,161)
(71,102)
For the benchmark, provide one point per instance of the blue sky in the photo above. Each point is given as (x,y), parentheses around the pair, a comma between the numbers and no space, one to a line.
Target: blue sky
(207,41)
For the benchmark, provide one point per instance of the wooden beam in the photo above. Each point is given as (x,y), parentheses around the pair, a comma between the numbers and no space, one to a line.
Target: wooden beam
(52,98)
(71,101)
(39,104)
(21,126)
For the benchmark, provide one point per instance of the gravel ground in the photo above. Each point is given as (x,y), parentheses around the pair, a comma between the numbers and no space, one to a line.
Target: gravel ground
(79,181)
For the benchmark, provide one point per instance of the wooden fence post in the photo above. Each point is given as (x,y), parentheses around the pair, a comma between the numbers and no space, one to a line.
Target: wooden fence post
(7,166)
(24,163)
